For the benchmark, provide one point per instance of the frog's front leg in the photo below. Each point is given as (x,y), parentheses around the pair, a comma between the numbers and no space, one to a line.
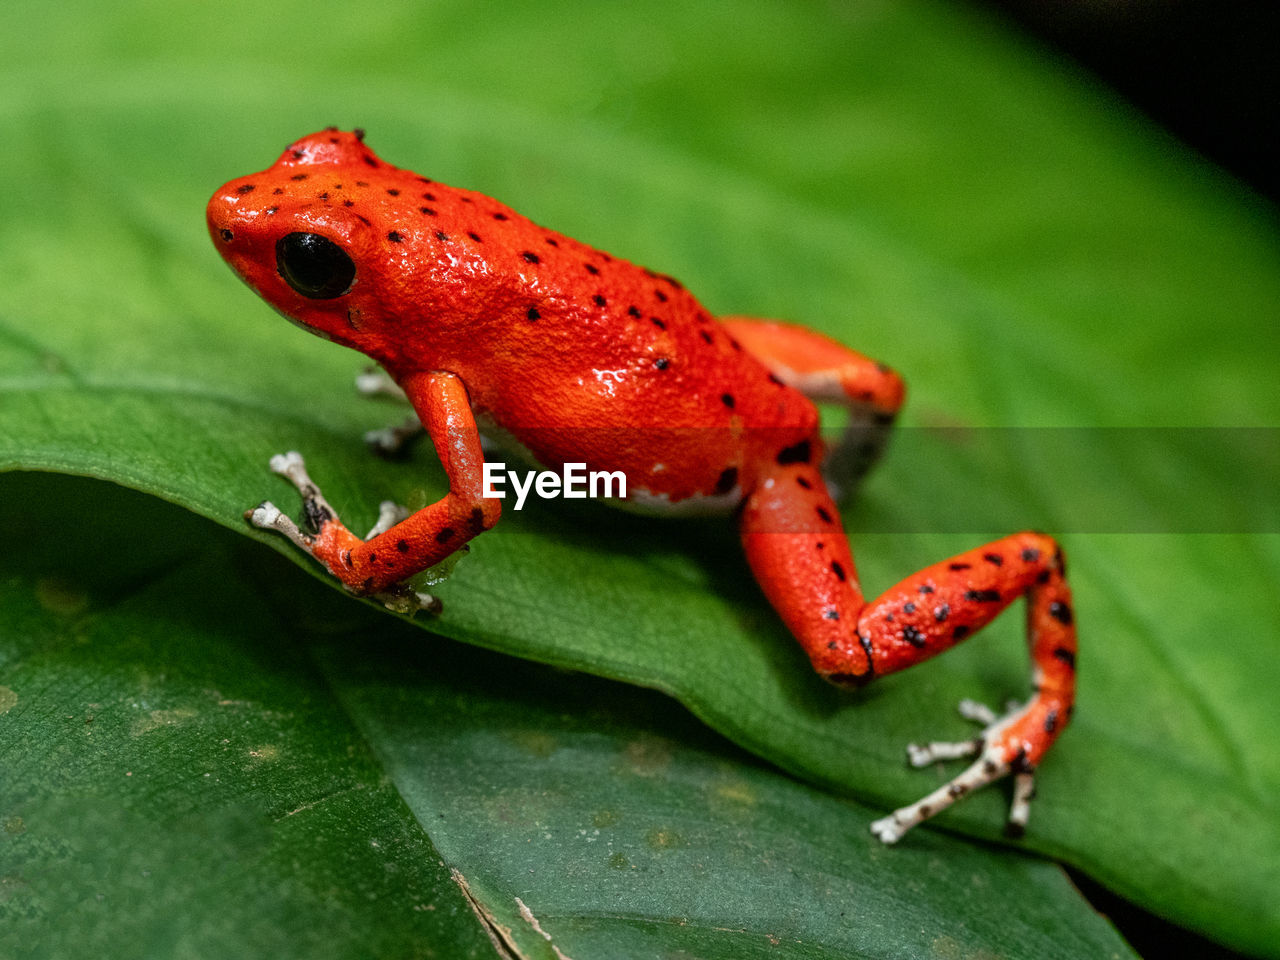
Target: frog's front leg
(827,371)
(317,514)
(377,566)
(801,557)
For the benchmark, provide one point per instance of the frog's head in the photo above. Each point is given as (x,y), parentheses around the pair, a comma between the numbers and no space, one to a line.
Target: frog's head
(314,235)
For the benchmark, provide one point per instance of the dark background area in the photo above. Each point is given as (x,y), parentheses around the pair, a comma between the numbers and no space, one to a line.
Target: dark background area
(1209,72)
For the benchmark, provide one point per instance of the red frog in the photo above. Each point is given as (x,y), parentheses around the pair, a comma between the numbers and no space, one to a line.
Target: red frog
(486,320)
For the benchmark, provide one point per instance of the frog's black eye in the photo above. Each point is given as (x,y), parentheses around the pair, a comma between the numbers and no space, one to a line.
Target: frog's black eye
(314,266)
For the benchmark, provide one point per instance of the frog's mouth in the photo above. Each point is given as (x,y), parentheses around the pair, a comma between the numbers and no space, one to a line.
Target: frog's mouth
(302,325)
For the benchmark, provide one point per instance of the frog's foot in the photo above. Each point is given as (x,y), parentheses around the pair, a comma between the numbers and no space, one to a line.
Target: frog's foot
(394,442)
(999,753)
(376,382)
(318,515)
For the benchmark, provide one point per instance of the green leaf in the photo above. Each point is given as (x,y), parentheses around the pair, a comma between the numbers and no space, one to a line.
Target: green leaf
(904,176)
(178,781)
(190,784)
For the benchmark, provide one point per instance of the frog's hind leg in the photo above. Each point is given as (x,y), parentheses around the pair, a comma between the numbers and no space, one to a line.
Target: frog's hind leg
(794,543)
(934,609)
(826,371)
(791,533)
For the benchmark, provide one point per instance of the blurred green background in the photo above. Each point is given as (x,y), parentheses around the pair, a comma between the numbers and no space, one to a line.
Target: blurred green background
(913,178)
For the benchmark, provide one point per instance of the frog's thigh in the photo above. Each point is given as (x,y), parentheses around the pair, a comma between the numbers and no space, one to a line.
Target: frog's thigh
(827,371)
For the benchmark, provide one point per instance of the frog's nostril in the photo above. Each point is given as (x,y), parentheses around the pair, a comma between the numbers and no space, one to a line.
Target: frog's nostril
(226,234)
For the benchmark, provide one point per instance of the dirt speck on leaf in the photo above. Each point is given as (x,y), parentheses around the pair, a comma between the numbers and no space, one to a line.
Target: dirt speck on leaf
(59,597)
(736,792)
(160,718)
(664,839)
(267,753)
(605,818)
(647,756)
(539,744)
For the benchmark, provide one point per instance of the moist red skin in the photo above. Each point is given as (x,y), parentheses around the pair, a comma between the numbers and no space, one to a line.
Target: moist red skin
(461,304)
(479,313)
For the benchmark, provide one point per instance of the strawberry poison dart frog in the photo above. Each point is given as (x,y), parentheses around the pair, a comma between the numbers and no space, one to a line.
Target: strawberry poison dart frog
(488,322)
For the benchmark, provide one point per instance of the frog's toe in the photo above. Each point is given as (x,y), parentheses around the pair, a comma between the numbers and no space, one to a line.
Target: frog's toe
(389,514)
(989,767)
(376,382)
(394,442)
(264,515)
(1024,791)
(315,508)
(924,754)
(887,830)
(290,465)
(978,712)
(267,516)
